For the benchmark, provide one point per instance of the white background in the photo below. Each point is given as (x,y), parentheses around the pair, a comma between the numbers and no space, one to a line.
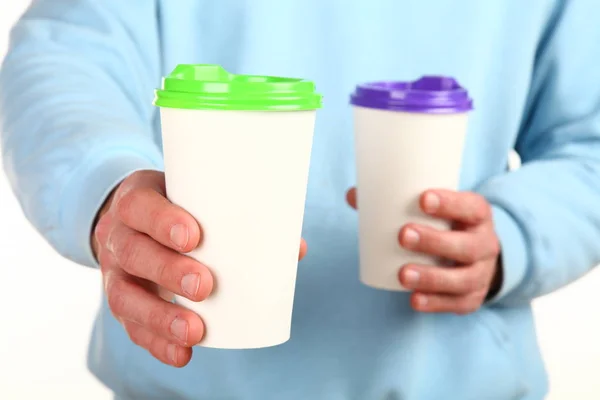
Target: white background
(47,306)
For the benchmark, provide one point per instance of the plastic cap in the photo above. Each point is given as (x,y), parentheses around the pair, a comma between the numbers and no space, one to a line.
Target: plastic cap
(429,94)
(211,87)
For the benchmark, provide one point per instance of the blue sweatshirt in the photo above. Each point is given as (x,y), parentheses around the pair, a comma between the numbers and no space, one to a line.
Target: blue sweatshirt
(77,116)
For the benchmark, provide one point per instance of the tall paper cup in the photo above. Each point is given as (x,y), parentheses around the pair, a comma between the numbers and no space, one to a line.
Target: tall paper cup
(237,151)
(409,137)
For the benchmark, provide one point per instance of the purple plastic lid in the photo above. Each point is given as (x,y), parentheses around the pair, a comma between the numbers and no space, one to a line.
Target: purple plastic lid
(429,95)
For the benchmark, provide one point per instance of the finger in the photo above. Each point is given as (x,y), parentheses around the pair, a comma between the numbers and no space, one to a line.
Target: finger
(148,211)
(303,249)
(351,198)
(466,207)
(106,260)
(129,301)
(442,303)
(101,233)
(463,246)
(103,223)
(165,351)
(141,256)
(445,280)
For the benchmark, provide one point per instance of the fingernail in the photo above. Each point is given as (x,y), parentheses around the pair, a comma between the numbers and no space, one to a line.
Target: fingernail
(179,329)
(172,353)
(411,238)
(431,202)
(421,301)
(411,277)
(190,284)
(179,235)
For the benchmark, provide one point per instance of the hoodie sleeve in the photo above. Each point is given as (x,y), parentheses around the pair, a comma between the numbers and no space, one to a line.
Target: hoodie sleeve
(547,213)
(76,111)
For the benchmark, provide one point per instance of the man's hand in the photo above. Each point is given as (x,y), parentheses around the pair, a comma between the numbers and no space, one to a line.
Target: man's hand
(138,240)
(472,245)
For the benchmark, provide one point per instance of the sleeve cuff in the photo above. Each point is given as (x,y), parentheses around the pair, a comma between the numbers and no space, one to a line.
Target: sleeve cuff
(86,193)
(514,252)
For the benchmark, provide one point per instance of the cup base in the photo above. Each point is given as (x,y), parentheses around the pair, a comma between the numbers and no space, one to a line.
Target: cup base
(387,286)
(242,346)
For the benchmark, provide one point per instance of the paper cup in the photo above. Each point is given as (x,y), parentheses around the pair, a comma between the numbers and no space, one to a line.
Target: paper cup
(409,137)
(238,162)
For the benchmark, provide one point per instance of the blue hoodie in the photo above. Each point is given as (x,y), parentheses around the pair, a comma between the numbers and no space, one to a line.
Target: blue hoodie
(77,116)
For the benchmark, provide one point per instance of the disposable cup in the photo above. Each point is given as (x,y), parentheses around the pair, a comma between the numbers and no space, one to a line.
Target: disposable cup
(236,151)
(409,137)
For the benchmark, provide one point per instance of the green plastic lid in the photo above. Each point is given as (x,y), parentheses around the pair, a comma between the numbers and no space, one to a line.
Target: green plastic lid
(210,87)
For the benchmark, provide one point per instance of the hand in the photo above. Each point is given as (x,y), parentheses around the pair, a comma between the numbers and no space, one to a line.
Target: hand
(472,245)
(138,240)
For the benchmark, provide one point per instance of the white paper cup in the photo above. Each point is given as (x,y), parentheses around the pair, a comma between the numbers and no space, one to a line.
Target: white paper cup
(403,149)
(243,175)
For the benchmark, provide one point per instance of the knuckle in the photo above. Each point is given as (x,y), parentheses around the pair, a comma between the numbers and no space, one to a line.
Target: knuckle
(127,252)
(158,320)
(102,229)
(115,293)
(163,272)
(439,281)
(125,204)
(135,336)
(157,347)
(472,282)
(104,260)
(136,339)
(130,201)
(470,251)
(482,210)
(432,238)
(443,243)
(172,268)
(157,218)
